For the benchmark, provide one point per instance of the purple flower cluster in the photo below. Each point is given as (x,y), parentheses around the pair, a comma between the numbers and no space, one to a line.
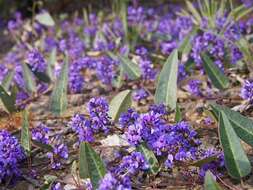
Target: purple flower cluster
(36,60)
(98,109)
(106,70)
(11,154)
(216,166)
(76,79)
(140,94)
(82,126)
(56,186)
(175,30)
(247,91)
(159,108)
(41,133)
(59,153)
(15,24)
(178,142)
(120,176)
(97,121)
(194,87)
(222,49)
(128,118)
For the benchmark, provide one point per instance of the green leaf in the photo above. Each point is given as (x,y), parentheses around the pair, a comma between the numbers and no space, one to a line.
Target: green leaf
(236,161)
(49,181)
(9,101)
(203,161)
(51,63)
(166,90)
(90,164)
(25,133)
(178,116)
(43,146)
(30,85)
(186,45)
(194,11)
(219,80)
(210,183)
(43,77)
(59,100)
(119,104)
(150,157)
(50,178)
(242,13)
(74,168)
(130,68)
(241,124)
(45,19)
(6,83)
(118,82)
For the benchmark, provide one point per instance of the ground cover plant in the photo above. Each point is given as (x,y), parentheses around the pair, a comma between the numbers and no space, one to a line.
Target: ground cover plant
(135,96)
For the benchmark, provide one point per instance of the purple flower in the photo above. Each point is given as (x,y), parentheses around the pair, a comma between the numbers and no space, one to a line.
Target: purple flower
(128,118)
(97,106)
(181,72)
(36,61)
(105,68)
(109,182)
(56,186)
(120,176)
(76,82)
(134,134)
(236,55)
(82,126)
(59,153)
(216,166)
(140,94)
(20,97)
(169,162)
(11,154)
(142,51)
(41,133)
(247,3)
(247,91)
(133,163)
(194,87)
(159,108)
(148,72)
(168,47)
(99,118)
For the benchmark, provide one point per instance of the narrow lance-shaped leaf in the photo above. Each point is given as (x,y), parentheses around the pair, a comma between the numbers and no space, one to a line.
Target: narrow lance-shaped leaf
(203,161)
(194,11)
(178,115)
(130,68)
(119,104)
(9,101)
(6,83)
(42,76)
(186,45)
(45,19)
(241,124)
(150,158)
(210,183)
(90,164)
(51,63)
(236,161)
(28,78)
(219,80)
(25,133)
(166,89)
(59,95)
(42,145)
